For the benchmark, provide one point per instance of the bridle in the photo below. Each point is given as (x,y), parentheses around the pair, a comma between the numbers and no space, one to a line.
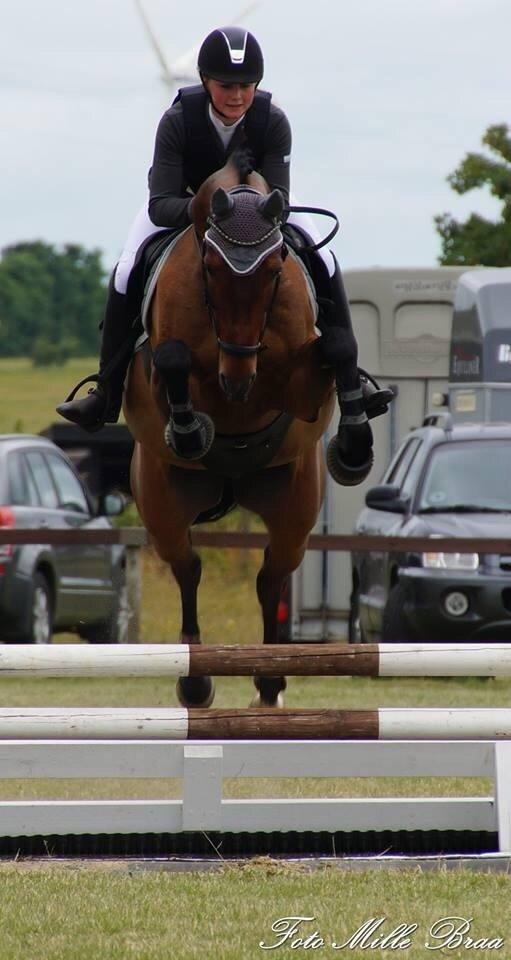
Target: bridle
(238,349)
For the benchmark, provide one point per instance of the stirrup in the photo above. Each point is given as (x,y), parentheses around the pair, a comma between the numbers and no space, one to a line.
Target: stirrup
(377,402)
(104,396)
(94,378)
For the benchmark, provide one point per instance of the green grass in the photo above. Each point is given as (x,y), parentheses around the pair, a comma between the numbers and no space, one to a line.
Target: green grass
(29,395)
(70,913)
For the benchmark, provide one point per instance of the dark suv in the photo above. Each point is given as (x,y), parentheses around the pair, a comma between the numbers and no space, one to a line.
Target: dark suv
(444,481)
(47,589)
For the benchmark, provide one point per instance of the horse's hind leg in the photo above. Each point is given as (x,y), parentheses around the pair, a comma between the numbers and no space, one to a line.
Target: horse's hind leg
(169,499)
(187,569)
(288,499)
(270,581)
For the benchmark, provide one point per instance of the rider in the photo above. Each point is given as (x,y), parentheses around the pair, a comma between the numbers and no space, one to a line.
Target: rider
(194,137)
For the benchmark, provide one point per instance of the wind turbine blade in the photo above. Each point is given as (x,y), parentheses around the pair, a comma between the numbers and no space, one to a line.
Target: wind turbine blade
(245,12)
(167,73)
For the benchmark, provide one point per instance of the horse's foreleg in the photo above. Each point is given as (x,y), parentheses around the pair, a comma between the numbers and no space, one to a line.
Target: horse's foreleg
(188,433)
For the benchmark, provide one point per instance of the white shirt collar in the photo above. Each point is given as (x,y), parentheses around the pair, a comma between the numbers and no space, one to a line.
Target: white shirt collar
(224,130)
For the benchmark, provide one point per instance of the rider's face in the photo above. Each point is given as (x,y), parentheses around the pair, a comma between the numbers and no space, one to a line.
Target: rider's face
(230,100)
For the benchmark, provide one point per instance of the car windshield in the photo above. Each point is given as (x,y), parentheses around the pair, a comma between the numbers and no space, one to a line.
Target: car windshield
(472,476)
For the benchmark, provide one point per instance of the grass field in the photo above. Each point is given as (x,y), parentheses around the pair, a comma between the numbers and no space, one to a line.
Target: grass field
(29,395)
(74,913)
(63,913)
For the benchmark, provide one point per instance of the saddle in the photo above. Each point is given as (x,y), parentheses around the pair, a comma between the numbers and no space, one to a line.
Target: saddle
(149,260)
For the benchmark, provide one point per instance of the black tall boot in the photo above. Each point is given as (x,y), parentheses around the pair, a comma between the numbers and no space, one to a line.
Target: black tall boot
(334,314)
(103,402)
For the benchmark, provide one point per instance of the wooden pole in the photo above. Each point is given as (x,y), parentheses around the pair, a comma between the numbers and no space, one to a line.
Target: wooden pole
(299,660)
(171,723)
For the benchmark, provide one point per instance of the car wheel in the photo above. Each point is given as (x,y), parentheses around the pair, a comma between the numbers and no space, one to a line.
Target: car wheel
(394,627)
(356,632)
(41,614)
(115,628)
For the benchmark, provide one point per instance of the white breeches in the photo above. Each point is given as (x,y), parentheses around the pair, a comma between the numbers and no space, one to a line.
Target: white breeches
(142,228)
(305,223)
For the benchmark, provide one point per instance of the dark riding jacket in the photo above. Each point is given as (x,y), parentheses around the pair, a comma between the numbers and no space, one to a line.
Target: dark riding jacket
(188,150)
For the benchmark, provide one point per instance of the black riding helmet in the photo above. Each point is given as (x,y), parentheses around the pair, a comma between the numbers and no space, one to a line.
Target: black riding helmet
(231,55)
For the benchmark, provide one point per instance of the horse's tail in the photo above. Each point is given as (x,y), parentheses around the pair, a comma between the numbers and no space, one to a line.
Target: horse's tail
(242,160)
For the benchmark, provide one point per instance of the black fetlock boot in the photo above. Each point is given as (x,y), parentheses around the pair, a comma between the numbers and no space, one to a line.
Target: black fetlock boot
(103,402)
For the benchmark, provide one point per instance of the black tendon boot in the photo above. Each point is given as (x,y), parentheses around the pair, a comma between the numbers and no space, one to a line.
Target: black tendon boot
(103,402)
(350,452)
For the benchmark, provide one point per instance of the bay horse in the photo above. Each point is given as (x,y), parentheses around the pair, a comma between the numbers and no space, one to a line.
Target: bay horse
(233,398)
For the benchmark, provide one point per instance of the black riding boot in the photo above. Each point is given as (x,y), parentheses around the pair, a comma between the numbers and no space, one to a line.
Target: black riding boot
(334,315)
(103,402)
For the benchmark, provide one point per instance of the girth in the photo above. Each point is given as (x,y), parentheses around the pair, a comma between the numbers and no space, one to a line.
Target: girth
(233,456)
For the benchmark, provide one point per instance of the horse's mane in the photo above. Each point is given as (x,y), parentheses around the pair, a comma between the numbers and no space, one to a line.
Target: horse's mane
(238,170)
(243,162)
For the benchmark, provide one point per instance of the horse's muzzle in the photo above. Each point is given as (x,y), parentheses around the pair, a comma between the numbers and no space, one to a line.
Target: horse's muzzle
(236,391)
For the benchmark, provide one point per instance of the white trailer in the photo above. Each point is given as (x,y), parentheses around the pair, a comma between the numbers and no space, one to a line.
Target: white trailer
(402,319)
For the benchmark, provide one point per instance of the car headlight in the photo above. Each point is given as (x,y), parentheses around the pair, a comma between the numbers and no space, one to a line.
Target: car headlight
(450,561)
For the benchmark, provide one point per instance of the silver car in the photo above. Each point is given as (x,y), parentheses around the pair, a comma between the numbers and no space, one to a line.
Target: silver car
(46,589)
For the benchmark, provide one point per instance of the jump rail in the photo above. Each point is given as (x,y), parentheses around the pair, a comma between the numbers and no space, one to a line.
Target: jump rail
(180,660)
(176,723)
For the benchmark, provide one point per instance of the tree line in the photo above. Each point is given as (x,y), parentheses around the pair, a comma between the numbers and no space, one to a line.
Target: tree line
(52,299)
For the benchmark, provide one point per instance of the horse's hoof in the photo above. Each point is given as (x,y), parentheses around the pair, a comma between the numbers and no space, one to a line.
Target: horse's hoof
(258,702)
(195,691)
(342,472)
(192,445)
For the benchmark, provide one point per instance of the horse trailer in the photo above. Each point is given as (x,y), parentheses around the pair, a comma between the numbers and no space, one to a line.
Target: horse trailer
(480,360)
(402,319)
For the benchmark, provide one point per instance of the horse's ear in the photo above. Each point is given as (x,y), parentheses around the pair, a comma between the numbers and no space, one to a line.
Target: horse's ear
(272,206)
(221,204)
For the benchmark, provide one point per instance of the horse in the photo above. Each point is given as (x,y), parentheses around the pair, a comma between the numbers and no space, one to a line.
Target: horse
(230,398)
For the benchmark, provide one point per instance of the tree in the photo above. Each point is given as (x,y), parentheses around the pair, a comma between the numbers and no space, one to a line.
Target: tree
(49,295)
(478,240)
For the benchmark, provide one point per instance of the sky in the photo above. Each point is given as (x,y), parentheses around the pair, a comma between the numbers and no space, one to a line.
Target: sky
(385,97)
